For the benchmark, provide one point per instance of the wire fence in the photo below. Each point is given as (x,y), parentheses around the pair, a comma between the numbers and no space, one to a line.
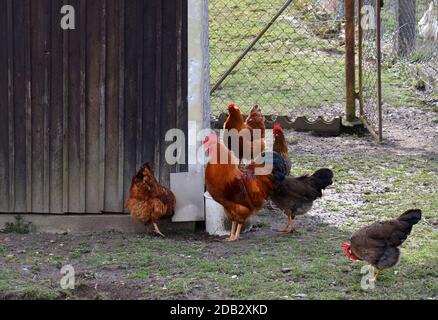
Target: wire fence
(369,62)
(298,62)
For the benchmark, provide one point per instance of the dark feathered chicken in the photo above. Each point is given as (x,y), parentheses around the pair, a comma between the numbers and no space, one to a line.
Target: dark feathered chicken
(295,196)
(378,243)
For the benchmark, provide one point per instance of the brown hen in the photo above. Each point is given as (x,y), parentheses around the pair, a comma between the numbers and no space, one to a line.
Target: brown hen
(149,201)
(378,243)
(250,142)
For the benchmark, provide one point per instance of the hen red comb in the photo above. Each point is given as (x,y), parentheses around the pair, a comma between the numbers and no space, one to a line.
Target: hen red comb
(277,127)
(348,253)
(231,106)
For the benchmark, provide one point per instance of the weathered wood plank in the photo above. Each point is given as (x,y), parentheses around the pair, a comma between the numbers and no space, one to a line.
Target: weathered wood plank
(40,64)
(132,19)
(65,122)
(94,102)
(111,175)
(11,127)
(83,106)
(158,13)
(28,102)
(182,74)
(56,112)
(169,82)
(18,99)
(149,76)
(74,125)
(4,108)
(121,193)
(102,104)
(46,127)
(140,76)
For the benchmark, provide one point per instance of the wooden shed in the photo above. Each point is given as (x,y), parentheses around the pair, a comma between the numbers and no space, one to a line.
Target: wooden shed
(82,109)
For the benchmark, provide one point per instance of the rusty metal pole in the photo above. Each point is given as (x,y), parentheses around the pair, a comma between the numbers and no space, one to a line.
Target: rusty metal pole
(350,74)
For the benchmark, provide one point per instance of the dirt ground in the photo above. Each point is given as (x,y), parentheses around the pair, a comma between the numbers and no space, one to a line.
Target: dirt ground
(372,182)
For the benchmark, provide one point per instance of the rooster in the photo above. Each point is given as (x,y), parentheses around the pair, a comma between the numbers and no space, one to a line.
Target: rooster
(250,143)
(241,192)
(378,243)
(148,201)
(280,146)
(295,196)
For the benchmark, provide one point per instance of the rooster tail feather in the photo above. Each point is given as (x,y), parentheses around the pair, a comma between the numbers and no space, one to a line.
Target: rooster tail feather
(411,217)
(323,178)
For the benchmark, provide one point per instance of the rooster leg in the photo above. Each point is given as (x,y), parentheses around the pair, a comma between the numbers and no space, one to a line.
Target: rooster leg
(376,273)
(287,228)
(237,234)
(233,231)
(157,230)
(291,228)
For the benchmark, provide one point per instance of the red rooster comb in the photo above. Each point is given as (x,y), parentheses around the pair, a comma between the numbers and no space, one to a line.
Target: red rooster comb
(347,251)
(277,127)
(231,106)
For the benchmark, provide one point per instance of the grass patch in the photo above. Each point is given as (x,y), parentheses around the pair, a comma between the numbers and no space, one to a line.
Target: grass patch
(19,226)
(12,286)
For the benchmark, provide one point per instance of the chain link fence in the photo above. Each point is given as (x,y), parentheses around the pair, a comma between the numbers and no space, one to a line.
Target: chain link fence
(298,63)
(369,63)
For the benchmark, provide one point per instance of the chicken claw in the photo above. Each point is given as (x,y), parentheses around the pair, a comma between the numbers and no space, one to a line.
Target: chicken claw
(235,232)
(157,231)
(289,228)
(283,230)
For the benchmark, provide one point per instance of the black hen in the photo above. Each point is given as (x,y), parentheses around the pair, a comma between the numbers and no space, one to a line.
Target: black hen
(295,196)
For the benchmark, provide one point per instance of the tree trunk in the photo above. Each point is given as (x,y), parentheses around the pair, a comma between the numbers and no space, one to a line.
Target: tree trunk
(406,27)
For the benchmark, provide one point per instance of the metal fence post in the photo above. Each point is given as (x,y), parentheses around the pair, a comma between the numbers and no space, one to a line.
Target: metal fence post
(350,75)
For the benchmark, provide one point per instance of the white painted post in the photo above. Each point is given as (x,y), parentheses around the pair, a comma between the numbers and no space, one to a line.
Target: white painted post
(199,73)
(189,187)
